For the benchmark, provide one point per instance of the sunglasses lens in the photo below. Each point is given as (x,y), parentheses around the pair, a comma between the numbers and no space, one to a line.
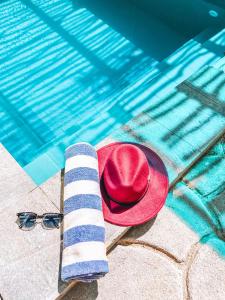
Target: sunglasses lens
(51,221)
(26,220)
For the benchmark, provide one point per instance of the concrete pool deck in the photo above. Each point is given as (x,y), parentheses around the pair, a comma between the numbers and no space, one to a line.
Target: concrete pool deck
(178,255)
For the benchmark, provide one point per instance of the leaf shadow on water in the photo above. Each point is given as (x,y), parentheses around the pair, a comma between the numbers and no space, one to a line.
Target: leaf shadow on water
(67,75)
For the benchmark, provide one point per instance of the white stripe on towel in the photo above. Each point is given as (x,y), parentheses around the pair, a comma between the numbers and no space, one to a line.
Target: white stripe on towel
(85,251)
(81,187)
(83,216)
(81,161)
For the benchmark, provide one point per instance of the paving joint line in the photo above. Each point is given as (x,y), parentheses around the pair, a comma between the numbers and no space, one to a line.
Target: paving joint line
(146,245)
(190,259)
(193,252)
(172,184)
(49,199)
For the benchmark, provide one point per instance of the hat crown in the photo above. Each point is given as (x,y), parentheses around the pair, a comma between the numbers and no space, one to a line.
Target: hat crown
(126,174)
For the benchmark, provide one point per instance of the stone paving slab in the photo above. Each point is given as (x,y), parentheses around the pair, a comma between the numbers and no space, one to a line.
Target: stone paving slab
(180,253)
(35,276)
(37,249)
(135,273)
(168,235)
(51,192)
(207,273)
(197,257)
(166,232)
(152,236)
(24,242)
(53,188)
(14,178)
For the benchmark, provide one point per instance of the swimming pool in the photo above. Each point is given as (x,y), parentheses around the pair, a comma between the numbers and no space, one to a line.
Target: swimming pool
(71,72)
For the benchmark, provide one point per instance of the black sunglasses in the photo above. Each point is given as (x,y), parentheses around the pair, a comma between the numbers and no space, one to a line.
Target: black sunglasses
(28,220)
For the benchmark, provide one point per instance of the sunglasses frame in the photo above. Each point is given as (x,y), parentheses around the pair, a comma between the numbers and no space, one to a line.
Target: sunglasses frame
(36,216)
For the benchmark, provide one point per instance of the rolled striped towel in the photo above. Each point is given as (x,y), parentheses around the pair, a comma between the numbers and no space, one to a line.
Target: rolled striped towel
(84,254)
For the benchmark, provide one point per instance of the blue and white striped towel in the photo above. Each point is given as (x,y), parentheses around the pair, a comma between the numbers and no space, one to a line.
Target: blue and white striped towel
(84,254)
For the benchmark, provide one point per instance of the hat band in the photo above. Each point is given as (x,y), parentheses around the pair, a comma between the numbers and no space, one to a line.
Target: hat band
(131,203)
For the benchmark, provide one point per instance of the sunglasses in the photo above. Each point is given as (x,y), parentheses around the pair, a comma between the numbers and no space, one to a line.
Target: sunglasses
(28,220)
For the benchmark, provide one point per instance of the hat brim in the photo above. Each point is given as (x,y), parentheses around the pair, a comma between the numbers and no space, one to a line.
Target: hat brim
(153,200)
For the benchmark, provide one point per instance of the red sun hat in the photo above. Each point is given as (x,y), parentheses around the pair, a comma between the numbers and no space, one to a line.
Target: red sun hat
(133,181)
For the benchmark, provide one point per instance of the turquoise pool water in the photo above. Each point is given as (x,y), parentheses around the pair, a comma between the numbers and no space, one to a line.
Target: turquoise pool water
(71,72)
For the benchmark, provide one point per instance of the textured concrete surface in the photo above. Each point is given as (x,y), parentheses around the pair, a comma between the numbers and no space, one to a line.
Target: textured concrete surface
(52,189)
(24,242)
(30,260)
(206,274)
(35,276)
(135,273)
(167,258)
(170,257)
(166,232)
(15,179)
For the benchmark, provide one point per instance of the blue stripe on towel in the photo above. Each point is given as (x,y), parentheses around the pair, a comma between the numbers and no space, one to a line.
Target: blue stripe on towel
(81,174)
(80,149)
(84,233)
(82,201)
(87,269)
(91,230)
